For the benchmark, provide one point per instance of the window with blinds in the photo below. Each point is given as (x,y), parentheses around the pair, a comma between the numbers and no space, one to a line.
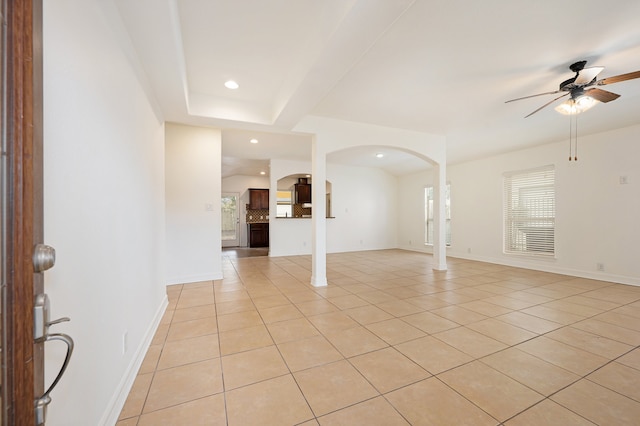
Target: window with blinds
(428,214)
(529,211)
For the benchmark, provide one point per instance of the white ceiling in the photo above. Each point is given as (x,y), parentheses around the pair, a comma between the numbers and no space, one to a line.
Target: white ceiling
(437,66)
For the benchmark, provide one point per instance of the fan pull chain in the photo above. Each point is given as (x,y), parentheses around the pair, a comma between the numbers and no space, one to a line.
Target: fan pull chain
(570,134)
(573,136)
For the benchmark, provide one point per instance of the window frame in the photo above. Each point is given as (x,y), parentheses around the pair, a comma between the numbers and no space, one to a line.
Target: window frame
(429,192)
(529,212)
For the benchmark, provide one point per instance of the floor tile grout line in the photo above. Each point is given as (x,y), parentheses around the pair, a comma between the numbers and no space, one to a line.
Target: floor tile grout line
(548,398)
(563,326)
(580,378)
(462,325)
(344,359)
(471,402)
(224,390)
(586,376)
(284,362)
(155,369)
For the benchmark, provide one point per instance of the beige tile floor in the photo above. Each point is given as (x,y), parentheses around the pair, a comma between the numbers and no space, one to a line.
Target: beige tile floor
(391,342)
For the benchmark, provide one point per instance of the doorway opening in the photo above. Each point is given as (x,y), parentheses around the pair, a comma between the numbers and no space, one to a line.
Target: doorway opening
(230,229)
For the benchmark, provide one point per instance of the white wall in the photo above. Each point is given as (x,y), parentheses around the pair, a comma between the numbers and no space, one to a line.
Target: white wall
(596,216)
(364,203)
(364,206)
(104,209)
(193,166)
(240,184)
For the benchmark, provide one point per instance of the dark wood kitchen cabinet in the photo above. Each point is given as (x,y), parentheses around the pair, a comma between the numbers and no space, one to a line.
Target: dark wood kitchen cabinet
(259,235)
(258,199)
(303,193)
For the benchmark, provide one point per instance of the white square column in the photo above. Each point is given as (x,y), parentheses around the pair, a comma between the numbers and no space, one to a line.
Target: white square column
(440,218)
(318,216)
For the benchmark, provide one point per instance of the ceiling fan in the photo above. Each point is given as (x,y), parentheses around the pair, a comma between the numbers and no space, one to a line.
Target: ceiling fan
(582,89)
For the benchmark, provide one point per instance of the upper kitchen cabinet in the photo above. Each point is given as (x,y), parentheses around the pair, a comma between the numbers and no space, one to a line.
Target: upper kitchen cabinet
(303,191)
(294,197)
(258,199)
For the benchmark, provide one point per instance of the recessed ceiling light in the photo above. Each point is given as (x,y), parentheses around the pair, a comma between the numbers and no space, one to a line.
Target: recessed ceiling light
(254,140)
(379,155)
(263,173)
(231,85)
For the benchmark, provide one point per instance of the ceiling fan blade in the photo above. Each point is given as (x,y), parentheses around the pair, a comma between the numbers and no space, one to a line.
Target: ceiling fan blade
(533,96)
(547,104)
(601,95)
(586,75)
(618,78)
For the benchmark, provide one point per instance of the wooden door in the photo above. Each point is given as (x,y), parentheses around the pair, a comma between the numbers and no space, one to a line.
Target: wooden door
(22,360)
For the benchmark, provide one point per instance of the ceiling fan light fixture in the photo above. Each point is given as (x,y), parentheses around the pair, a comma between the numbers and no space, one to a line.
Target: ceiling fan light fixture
(576,106)
(585,102)
(230,84)
(567,108)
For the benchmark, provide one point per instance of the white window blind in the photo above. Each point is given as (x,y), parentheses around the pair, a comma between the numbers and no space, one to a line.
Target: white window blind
(530,211)
(428,214)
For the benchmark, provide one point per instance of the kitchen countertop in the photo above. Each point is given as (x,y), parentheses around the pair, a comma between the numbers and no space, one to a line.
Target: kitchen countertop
(303,217)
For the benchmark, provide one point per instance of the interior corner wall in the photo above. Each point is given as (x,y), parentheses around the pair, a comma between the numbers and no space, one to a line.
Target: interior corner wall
(103,210)
(596,213)
(193,203)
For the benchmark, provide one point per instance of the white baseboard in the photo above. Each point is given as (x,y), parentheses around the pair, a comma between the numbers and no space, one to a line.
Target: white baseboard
(554,269)
(110,416)
(539,265)
(194,278)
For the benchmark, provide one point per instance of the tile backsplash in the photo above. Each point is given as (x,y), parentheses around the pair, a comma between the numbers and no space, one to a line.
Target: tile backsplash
(299,211)
(257,216)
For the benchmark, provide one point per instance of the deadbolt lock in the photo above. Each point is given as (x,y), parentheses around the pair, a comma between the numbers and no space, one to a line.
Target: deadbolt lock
(44,257)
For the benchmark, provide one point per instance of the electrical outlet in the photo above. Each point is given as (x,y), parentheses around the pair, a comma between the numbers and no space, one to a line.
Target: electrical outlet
(469,250)
(125,343)
(600,266)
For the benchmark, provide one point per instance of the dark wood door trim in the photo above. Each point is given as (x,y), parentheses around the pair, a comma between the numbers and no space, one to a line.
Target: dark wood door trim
(22,158)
